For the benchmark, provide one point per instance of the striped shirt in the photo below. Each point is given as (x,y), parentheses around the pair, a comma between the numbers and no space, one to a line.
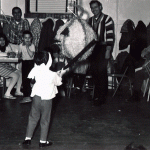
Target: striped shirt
(104,28)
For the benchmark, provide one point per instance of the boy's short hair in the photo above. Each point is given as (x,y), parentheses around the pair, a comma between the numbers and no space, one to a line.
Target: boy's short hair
(16,8)
(27,32)
(95,1)
(41,57)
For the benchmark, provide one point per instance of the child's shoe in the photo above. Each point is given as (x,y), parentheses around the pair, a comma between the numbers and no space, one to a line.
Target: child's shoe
(26,142)
(48,143)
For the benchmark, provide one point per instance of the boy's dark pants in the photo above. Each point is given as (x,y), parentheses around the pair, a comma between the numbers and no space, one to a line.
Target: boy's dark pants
(27,65)
(41,109)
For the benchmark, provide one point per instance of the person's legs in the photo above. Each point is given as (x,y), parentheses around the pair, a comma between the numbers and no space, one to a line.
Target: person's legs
(76,80)
(101,83)
(99,74)
(27,65)
(34,116)
(14,78)
(79,80)
(19,83)
(46,106)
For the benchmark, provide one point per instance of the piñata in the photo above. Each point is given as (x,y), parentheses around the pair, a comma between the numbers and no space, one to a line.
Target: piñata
(74,36)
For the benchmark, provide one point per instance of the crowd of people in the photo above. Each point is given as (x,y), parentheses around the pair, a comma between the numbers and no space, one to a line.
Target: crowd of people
(33,77)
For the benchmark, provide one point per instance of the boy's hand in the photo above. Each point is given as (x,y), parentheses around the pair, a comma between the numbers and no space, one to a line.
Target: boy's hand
(19,55)
(58,73)
(61,72)
(28,44)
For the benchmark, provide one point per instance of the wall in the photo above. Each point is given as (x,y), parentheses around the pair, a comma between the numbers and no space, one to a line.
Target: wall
(119,10)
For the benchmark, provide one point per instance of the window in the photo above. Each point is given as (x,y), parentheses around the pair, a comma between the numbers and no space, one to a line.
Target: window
(50,8)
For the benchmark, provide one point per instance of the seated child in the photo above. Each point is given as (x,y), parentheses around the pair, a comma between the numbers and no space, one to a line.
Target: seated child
(8,71)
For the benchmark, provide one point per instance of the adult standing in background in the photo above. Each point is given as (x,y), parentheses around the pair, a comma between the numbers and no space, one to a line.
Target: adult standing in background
(15,26)
(103,25)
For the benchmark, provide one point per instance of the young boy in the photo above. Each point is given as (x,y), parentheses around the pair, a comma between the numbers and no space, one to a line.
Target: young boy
(59,61)
(27,51)
(43,91)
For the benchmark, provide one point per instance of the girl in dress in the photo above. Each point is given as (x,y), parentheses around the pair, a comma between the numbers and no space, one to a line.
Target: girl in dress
(8,71)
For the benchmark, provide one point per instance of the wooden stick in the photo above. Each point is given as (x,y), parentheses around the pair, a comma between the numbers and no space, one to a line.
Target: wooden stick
(92,43)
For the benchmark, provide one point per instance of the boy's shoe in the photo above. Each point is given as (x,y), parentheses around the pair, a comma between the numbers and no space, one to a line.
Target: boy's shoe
(26,142)
(9,97)
(18,93)
(48,143)
(26,100)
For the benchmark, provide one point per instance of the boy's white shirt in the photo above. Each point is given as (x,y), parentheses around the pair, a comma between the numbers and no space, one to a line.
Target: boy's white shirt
(46,81)
(23,50)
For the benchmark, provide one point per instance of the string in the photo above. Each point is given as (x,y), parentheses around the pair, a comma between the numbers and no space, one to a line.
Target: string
(72,11)
(4,16)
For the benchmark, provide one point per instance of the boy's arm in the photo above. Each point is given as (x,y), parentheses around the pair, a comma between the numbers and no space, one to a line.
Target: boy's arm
(57,80)
(19,55)
(61,72)
(30,52)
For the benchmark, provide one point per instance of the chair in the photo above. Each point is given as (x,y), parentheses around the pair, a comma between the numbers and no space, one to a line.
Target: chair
(69,86)
(117,80)
(3,85)
(147,68)
(145,84)
(89,84)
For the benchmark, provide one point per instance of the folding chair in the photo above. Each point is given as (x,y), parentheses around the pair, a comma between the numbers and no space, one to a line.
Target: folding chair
(123,68)
(147,68)
(3,85)
(89,84)
(116,83)
(69,87)
(146,86)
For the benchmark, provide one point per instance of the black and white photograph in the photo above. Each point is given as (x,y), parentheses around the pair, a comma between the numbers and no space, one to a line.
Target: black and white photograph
(75,74)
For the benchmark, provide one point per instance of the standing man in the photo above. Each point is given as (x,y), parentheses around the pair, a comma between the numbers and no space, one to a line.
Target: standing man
(15,26)
(103,25)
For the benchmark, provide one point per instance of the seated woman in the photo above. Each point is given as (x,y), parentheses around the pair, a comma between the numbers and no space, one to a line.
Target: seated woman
(8,71)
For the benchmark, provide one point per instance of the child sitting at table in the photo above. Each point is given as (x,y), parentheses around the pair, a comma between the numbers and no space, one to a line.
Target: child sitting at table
(7,71)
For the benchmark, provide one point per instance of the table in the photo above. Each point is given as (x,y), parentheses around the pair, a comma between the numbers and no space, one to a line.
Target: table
(7,60)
